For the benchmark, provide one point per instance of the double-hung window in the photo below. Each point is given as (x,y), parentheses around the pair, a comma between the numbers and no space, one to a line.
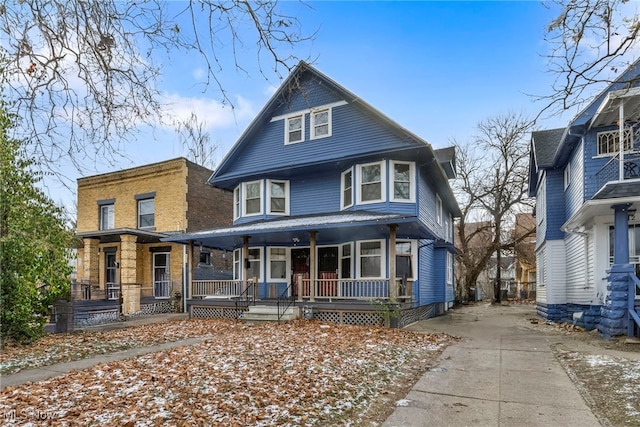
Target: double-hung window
(146,213)
(403,182)
(346,189)
(236,203)
(254,260)
(370,259)
(107,216)
(449,268)
(294,131)
(320,123)
(277,263)
(278,197)
(345,261)
(438,210)
(405,262)
(252,198)
(372,178)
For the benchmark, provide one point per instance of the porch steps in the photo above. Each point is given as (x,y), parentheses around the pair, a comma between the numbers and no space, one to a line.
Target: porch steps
(269,313)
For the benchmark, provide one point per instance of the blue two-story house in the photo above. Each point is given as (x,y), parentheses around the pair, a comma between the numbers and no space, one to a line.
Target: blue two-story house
(587,189)
(336,208)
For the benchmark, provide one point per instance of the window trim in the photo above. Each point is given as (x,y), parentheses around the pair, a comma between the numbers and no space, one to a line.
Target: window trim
(237,201)
(439,212)
(260,259)
(614,134)
(110,223)
(147,227)
(412,182)
(287,132)
(287,198)
(153,273)
(383,263)
(567,175)
(414,256)
(244,198)
(286,264)
(343,205)
(383,182)
(342,257)
(449,276)
(313,125)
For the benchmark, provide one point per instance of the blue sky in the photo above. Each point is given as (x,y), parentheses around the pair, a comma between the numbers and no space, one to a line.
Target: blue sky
(436,68)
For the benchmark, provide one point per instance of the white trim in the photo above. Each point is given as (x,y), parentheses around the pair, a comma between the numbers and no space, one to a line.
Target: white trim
(287,264)
(308,110)
(287,198)
(567,175)
(244,198)
(260,260)
(287,132)
(414,256)
(439,212)
(412,182)
(312,124)
(341,257)
(237,203)
(383,182)
(383,259)
(342,188)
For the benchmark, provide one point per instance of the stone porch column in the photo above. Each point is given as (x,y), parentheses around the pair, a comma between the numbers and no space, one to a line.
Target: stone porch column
(613,320)
(91,261)
(129,287)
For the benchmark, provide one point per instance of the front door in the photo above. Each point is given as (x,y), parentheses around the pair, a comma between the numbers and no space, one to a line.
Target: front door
(299,268)
(111,276)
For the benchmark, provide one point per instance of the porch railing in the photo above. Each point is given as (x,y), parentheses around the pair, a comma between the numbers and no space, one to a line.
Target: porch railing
(356,289)
(611,170)
(216,288)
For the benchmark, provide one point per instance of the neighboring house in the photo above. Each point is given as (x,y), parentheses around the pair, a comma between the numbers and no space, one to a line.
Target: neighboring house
(122,217)
(587,189)
(335,207)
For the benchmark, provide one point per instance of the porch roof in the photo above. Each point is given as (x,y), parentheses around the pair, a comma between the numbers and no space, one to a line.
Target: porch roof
(292,231)
(113,235)
(597,207)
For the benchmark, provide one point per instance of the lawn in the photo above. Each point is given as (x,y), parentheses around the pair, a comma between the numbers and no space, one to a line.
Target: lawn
(299,373)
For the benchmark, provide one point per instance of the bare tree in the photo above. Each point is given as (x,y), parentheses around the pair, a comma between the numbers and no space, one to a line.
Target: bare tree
(591,42)
(196,141)
(491,188)
(83,75)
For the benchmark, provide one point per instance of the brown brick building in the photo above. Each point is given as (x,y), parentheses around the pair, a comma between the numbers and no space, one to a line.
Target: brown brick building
(122,217)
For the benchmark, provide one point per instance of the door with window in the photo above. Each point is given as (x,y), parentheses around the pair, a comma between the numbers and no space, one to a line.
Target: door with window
(111,276)
(300,269)
(161,275)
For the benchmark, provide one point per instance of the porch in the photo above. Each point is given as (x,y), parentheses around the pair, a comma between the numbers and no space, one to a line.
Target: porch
(305,289)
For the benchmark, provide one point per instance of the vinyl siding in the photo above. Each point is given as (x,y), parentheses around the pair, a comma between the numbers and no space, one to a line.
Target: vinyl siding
(555,272)
(427,288)
(541,276)
(427,203)
(574,193)
(555,204)
(577,286)
(354,133)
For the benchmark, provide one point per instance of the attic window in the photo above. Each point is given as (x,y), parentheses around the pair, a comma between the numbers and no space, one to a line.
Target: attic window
(321,123)
(294,129)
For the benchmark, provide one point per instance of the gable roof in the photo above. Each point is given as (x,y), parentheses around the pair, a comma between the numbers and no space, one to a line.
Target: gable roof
(411,146)
(544,145)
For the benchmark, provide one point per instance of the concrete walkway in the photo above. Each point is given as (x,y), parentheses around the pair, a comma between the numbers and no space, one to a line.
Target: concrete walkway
(501,374)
